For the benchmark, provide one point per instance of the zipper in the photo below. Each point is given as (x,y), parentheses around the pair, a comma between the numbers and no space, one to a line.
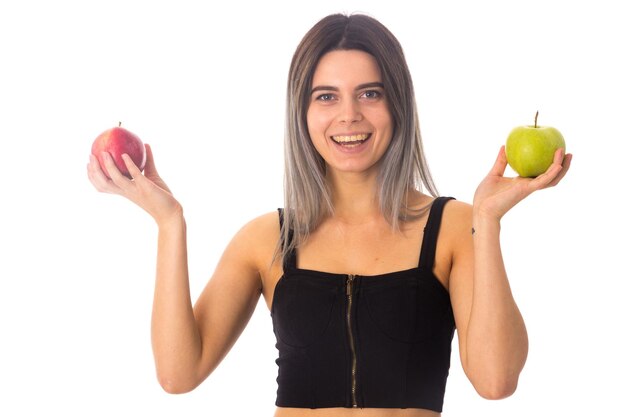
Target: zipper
(349,285)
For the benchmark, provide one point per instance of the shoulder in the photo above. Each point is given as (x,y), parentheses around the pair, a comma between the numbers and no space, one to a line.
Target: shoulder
(257,239)
(455,235)
(264,224)
(457,216)
(454,242)
(262,229)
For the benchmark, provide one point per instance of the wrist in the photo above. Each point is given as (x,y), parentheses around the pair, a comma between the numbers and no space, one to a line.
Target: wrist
(173,220)
(482,223)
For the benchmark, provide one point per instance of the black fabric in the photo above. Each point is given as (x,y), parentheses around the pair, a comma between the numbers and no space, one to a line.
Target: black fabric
(397,326)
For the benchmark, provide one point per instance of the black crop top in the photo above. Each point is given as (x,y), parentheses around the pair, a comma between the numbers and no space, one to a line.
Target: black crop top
(380,341)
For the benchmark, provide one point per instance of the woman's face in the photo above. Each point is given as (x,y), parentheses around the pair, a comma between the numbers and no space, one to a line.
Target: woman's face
(348,117)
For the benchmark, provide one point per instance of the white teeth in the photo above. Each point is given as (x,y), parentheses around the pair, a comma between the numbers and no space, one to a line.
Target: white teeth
(352,138)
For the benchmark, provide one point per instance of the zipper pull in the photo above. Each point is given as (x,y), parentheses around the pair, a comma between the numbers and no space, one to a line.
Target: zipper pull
(349,281)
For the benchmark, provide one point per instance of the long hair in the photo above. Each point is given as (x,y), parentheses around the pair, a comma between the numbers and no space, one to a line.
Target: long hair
(403,167)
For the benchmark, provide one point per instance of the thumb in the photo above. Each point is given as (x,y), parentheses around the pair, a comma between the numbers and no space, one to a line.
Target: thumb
(150,168)
(500,165)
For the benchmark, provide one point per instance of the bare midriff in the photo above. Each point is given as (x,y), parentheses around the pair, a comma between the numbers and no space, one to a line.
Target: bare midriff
(354,412)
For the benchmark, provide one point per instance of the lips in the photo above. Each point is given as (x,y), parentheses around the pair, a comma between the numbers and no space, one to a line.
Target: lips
(351,140)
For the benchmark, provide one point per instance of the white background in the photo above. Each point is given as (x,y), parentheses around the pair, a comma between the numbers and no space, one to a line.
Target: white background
(205,86)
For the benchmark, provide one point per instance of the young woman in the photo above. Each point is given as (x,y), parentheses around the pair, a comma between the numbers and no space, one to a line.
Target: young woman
(366,275)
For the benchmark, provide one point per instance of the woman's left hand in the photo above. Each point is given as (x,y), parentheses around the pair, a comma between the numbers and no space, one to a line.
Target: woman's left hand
(497,194)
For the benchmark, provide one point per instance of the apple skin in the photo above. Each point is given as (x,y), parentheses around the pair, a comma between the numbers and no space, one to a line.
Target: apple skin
(118,141)
(530,149)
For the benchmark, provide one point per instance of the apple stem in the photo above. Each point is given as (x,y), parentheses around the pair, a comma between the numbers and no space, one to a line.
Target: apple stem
(536,116)
(119,124)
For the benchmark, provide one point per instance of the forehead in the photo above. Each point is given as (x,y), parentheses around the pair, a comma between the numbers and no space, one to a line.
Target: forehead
(345,67)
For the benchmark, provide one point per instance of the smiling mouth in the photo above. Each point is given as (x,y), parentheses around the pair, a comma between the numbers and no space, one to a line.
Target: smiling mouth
(351,140)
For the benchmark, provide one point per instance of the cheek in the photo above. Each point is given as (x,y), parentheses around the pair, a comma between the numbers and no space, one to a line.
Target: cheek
(317,123)
(315,130)
(387,120)
(384,123)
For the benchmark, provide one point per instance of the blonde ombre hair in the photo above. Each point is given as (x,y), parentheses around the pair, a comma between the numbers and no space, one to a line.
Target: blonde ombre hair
(403,167)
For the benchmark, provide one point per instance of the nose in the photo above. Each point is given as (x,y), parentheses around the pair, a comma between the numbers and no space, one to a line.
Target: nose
(350,111)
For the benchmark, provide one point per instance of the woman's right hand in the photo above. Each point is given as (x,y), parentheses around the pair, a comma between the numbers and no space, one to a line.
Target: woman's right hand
(147,190)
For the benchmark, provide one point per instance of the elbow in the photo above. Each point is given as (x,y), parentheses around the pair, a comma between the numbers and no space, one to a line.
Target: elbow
(178,377)
(496,389)
(175,385)
(495,381)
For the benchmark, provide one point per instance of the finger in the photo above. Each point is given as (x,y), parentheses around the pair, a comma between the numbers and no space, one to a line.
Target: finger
(114,173)
(556,168)
(150,168)
(97,176)
(559,155)
(132,168)
(94,165)
(567,160)
(500,165)
(552,173)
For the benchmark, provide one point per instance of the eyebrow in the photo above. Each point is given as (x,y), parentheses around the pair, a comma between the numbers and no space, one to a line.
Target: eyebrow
(358,87)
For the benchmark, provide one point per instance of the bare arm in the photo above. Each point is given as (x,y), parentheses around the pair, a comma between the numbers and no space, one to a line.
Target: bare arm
(176,341)
(187,343)
(492,335)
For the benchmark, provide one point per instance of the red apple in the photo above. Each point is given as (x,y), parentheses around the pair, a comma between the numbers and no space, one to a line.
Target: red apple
(118,141)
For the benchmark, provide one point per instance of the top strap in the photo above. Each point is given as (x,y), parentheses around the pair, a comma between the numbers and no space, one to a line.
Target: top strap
(431,232)
(290,259)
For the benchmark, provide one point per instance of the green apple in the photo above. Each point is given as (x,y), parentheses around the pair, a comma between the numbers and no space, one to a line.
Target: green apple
(530,149)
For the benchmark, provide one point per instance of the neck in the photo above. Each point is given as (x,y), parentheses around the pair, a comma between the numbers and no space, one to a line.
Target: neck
(354,196)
